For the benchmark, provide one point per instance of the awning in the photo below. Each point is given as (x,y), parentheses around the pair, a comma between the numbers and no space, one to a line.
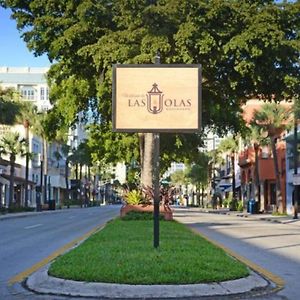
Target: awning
(17,180)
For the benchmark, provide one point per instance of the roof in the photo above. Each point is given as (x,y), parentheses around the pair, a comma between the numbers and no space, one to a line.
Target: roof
(23,78)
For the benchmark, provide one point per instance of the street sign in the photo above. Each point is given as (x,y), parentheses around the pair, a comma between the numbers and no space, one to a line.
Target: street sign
(296,179)
(157,98)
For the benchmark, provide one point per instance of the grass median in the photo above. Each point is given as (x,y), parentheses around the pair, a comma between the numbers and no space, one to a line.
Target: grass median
(123,253)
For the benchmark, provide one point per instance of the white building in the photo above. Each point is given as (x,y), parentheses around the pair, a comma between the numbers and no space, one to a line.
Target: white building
(32,85)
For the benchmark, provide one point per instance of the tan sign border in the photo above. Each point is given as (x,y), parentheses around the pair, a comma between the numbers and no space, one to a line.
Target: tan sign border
(146,66)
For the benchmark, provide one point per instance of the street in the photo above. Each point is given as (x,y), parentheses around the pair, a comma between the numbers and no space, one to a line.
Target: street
(273,246)
(28,240)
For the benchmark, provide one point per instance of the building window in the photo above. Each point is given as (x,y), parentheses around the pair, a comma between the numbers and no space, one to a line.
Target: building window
(27,93)
(47,94)
(42,93)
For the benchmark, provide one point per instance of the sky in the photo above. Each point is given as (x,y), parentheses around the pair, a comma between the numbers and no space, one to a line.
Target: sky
(13,50)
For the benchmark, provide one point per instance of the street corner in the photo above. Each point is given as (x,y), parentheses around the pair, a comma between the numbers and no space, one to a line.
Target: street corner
(40,282)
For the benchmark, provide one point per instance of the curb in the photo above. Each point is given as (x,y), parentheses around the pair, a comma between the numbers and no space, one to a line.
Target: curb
(41,283)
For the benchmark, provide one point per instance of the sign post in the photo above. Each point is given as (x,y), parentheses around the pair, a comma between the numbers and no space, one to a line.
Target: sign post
(156,98)
(156,170)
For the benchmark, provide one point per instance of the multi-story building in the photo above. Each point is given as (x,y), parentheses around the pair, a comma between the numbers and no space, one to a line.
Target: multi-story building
(46,174)
(265,190)
(292,172)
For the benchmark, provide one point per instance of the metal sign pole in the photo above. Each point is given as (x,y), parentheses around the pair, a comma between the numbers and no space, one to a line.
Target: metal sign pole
(156,191)
(156,169)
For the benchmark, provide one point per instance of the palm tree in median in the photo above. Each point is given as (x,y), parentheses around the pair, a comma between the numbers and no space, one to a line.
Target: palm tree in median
(12,145)
(273,119)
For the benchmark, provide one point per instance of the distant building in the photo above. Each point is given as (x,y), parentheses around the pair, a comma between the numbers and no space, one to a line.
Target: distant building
(32,85)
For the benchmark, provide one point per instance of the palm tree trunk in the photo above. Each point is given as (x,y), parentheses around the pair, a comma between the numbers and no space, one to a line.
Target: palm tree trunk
(234,204)
(279,206)
(45,170)
(11,180)
(26,125)
(257,179)
(147,170)
(67,179)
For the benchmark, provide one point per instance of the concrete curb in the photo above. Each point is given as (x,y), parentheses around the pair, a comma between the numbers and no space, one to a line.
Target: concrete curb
(40,282)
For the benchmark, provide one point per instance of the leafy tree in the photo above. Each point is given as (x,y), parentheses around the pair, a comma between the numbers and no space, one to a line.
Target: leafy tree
(246,48)
(273,119)
(179,177)
(12,145)
(230,146)
(9,106)
(198,174)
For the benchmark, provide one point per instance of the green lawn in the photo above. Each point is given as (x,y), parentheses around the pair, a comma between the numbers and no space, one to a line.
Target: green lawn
(123,253)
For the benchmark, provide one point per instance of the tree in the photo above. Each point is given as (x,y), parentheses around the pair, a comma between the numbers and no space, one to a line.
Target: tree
(9,106)
(12,145)
(198,174)
(26,116)
(255,138)
(246,48)
(230,146)
(273,119)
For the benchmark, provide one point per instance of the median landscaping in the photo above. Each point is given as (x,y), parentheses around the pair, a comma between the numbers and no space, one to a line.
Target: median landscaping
(123,252)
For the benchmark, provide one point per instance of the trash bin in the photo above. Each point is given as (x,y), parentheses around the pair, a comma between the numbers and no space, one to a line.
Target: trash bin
(52,204)
(252,206)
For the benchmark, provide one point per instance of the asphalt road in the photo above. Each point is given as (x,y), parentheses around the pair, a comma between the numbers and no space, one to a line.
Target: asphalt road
(28,240)
(272,246)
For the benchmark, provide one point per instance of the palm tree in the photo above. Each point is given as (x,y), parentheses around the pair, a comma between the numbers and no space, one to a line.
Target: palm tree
(256,138)
(230,146)
(27,116)
(66,153)
(39,128)
(11,144)
(273,119)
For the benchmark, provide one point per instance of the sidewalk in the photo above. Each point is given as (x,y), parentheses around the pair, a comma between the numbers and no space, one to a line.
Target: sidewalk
(286,219)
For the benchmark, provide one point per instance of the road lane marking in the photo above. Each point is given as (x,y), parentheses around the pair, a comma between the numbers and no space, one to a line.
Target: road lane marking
(271,276)
(33,226)
(21,276)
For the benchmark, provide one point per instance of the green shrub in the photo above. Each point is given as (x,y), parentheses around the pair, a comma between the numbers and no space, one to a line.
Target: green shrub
(3,210)
(133,197)
(20,209)
(137,216)
(240,206)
